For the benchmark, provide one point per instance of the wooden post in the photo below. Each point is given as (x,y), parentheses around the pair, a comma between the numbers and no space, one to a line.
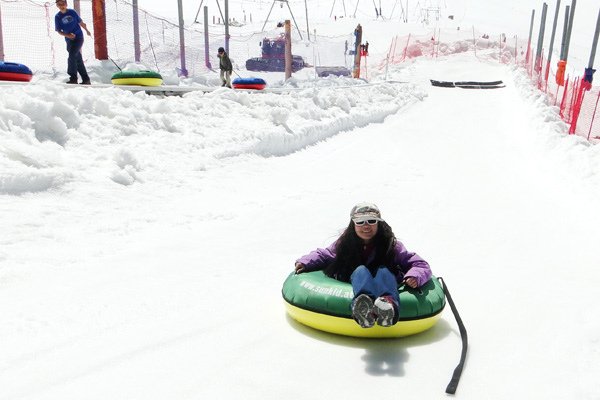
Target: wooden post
(99,20)
(136,32)
(288,49)
(358,38)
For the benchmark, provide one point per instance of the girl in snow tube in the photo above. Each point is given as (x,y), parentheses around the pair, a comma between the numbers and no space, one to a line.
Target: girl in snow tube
(363,269)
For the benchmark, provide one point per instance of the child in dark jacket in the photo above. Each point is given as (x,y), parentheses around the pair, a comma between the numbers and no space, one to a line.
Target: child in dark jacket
(225,66)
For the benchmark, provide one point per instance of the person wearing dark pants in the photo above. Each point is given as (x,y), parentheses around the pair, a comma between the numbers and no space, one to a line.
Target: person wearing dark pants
(75,61)
(68,24)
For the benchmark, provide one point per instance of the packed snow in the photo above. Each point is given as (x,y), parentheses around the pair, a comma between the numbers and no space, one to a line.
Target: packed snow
(145,238)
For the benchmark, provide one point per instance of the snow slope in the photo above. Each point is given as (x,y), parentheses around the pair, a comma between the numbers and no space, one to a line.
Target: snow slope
(145,239)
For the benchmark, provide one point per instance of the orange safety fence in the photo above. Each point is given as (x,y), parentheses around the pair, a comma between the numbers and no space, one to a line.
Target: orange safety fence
(576,98)
(578,101)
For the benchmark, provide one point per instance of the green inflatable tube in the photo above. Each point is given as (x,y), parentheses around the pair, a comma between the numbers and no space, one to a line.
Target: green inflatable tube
(324,303)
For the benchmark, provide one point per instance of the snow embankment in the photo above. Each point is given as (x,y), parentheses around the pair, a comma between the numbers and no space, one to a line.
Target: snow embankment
(51,135)
(569,155)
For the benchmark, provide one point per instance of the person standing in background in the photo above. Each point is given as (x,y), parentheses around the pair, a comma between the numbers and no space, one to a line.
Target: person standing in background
(68,24)
(225,66)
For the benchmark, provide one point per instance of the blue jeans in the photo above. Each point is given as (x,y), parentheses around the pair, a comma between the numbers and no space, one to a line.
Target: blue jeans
(382,284)
(75,60)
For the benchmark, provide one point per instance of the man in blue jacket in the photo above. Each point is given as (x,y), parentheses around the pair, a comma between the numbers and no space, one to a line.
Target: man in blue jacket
(68,24)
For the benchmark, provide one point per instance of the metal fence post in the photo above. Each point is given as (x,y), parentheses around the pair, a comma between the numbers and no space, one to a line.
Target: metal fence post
(206,44)
(540,44)
(1,39)
(552,41)
(136,32)
(184,71)
(528,54)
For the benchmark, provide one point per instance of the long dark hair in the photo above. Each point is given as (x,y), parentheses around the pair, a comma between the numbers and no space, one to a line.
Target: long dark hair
(349,251)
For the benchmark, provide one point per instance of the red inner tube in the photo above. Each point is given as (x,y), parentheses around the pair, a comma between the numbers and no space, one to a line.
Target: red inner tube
(249,86)
(14,76)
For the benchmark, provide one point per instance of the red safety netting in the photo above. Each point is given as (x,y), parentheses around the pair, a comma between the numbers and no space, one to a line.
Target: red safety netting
(576,99)
(403,48)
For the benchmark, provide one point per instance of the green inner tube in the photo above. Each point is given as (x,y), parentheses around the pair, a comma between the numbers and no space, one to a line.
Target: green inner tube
(314,291)
(136,74)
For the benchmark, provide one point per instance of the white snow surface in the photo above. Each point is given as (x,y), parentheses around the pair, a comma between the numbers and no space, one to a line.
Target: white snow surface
(145,239)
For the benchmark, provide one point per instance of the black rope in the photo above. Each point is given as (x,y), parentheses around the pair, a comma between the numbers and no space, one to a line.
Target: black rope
(451,388)
(116,65)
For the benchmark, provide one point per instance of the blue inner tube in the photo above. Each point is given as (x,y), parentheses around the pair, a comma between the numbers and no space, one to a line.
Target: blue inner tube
(14,68)
(249,81)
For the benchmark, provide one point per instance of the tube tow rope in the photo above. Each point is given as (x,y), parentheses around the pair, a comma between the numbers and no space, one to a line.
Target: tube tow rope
(451,388)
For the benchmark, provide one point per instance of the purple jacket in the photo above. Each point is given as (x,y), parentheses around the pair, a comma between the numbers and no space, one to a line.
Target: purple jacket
(406,263)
